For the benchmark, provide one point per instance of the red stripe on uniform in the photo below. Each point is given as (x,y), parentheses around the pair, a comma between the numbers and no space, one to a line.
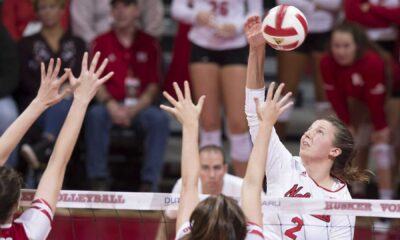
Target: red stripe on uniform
(256,232)
(43,211)
(43,202)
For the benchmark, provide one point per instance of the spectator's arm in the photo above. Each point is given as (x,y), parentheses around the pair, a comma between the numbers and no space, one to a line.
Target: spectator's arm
(83,19)
(352,10)
(152,17)
(181,11)
(9,18)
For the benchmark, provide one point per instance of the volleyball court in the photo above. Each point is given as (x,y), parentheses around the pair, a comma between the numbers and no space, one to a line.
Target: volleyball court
(127,215)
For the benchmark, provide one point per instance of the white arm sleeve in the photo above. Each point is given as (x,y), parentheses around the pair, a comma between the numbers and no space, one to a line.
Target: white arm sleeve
(37,220)
(181,11)
(278,156)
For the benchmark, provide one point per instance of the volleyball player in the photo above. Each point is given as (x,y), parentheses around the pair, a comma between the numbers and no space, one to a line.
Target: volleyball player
(35,222)
(218,69)
(321,170)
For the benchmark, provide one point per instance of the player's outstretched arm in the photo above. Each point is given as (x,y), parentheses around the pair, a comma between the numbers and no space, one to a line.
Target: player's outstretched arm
(255,66)
(49,94)
(86,87)
(188,115)
(267,113)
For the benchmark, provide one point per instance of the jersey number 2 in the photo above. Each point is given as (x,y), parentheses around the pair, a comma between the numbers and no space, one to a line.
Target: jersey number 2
(299,224)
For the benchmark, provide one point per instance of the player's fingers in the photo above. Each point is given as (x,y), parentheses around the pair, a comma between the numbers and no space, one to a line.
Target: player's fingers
(56,69)
(94,62)
(278,92)
(50,68)
(178,91)
(200,103)
(285,98)
(187,91)
(170,98)
(270,91)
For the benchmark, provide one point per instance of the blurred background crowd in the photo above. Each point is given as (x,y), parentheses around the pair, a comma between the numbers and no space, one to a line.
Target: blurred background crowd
(348,66)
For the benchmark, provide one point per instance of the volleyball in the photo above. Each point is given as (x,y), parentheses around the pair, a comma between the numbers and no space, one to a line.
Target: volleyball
(284,28)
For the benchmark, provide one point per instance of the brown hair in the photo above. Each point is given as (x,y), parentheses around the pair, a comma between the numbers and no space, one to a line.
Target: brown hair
(36,4)
(10,187)
(213,148)
(217,217)
(343,166)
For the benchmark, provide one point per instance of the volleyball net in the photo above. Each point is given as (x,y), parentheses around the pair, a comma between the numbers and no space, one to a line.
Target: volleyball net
(129,215)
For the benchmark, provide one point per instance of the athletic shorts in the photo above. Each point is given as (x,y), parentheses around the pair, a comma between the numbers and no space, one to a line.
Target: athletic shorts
(314,42)
(220,57)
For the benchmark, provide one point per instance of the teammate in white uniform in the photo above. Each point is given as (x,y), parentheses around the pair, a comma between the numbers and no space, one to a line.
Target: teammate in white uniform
(35,223)
(218,69)
(326,152)
(214,180)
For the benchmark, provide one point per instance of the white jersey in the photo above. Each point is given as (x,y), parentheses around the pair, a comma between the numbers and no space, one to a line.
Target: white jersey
(34,223)
(318,20)
(254,232)
(232,186)
(226,11)
(287,177)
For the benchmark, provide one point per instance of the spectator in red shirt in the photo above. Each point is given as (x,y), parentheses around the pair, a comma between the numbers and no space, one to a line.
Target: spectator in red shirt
(126,100)
(356,84)
(20,19)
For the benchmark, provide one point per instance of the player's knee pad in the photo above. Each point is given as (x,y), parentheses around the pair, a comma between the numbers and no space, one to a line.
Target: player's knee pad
(363,135)
(240,146)
(285,116)
(210,138)
(382,154)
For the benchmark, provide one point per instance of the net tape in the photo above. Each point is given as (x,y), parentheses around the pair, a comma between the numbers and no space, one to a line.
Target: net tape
(168,201)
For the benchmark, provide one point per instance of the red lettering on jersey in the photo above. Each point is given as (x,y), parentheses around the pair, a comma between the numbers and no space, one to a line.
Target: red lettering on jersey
(294,192)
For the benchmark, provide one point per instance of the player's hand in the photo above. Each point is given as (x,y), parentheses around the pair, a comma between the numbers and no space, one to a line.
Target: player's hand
(252,29)
(226,30)
(185,111)
(89,81)
(364,7)
(205,18)
(273,106)
(51,91)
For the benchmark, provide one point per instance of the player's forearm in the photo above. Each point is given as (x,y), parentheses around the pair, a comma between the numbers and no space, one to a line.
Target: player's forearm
(190,162)
(13,135)
(51,181)
(257,161)
(255,68)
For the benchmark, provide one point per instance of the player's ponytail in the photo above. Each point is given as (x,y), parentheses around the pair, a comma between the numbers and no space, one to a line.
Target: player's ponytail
(343,164)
